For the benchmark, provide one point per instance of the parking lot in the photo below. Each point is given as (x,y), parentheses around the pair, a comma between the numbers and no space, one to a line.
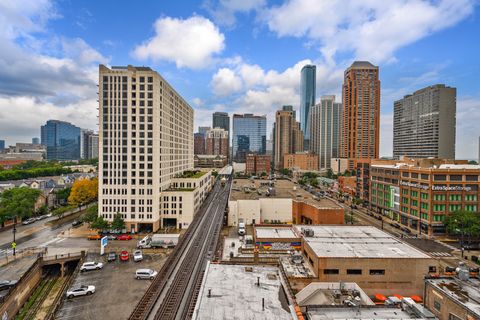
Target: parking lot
(116,289)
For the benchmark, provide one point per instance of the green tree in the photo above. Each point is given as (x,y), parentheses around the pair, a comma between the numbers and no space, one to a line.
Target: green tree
(314,182)
(263,174)
(100,224)
(63,194)
(60,212)
(329,174)
(118,223)
(465,224)
(18,202)
(43,210)
(90,215)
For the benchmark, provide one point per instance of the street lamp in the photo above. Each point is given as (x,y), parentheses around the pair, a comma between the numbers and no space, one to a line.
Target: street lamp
(14,245)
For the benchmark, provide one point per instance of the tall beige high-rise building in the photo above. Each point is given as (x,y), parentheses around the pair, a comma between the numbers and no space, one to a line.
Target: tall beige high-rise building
(288,135)
(145,138)
(325,129)
(361,111)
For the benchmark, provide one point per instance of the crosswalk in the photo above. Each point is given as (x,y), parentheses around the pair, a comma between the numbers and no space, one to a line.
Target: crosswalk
(440,254)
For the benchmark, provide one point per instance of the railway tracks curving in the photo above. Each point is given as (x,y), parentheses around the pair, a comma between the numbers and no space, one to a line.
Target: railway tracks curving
(173,293)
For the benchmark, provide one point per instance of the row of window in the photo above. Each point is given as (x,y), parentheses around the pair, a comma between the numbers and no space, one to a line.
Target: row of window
(372,272)
(106,79)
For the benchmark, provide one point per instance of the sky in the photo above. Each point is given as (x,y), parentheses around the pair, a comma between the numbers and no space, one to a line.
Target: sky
(238,56)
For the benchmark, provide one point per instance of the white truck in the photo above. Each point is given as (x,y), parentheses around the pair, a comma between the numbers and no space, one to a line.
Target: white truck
(159,241)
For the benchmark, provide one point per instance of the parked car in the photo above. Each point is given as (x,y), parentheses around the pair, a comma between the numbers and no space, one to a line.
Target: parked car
(241,228)
(7,284)
(111,237)
(145,274)
(80,291)
(76,223)
(137,255)
(94,237)
(28,221)
(124,255)
(124,237)
(112,256)
(92,265)
(406,230)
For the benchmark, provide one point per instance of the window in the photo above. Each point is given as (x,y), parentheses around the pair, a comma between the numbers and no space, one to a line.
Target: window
(455,197)
(377,272)
(438,207)
(439,177)
(424,176)
(472,178)
(471,197)
(439,197)
(437,218)
(454,207)
(437,305)
(414,212)
(354,271)
(424,196)
(455,177)
(451,316)
(330,271)
(471,207)
(414,193)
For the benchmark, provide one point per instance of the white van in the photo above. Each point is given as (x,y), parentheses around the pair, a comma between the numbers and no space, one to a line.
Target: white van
(241,228)
(145,274)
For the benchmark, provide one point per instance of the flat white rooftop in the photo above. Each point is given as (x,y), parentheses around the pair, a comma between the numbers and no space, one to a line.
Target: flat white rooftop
(275,233)
(357,242)
(236,295)
(365,313)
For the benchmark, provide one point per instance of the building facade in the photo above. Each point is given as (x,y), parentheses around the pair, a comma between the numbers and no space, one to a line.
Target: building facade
(421,193)
(62,140)
(199,143)
(308,85)
(361,111)
(424,123)
(92,152)
(146,139)
(203,130)
(221,120)
(325,129)
(35,140)
(216,142)
(301,161)
(288,136)
(257,164)
(207,161)
(249,135)
(2,145)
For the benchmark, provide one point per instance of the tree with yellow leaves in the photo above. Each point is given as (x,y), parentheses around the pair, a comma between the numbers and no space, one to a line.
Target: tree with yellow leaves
(83,192)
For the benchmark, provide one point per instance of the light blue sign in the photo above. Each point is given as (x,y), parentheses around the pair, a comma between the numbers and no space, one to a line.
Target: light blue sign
(104,241)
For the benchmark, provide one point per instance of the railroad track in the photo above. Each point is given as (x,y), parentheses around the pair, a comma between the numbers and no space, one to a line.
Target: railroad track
(173,292)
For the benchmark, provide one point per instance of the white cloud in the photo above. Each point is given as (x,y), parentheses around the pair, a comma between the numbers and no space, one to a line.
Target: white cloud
(190,43)
(51,78)
(197,102)
(224,11)
(371,29)
(225,82)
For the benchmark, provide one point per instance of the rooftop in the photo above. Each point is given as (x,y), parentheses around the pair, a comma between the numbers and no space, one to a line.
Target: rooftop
(236,295)
(357,242)
(466,292)
(282,189)
(333,293)
(191,174)
(275,232)
(362,313)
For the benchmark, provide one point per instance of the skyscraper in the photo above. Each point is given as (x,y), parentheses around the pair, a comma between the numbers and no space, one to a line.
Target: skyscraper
(35,140)
(361,111)
(199,143)
(2,145)
(326,123)
(203,130)
(221,120)
(424,123)
(288,135)
(92,152)
(85,142)
(61,139)
(146,139)
(307,99)
(249,135)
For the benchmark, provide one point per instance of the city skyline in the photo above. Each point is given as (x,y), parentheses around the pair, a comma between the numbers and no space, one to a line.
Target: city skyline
(227,75)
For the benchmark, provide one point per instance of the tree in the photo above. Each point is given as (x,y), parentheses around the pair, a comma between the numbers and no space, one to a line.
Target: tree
(83,192)
(100,224)
(314,182)
(463,223)
(91,215)
(63,194)
(43,210)
(263,174)
(118,223)
(18,202)
(329,173)
(59,212)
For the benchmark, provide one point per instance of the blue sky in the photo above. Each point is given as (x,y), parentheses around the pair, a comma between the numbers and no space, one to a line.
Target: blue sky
(233,55)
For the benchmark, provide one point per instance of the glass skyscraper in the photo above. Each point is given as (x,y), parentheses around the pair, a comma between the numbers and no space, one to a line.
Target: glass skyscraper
(307,99)
(61,139)
(2,145)
(221,120)
(249,135)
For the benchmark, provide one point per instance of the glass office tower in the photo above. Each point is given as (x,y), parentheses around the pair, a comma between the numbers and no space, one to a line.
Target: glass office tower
(307,100)
(61,139)
(249,135)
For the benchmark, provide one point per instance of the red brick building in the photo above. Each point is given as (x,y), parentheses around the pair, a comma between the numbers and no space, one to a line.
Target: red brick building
(256,164)
(216,142)
(199,143)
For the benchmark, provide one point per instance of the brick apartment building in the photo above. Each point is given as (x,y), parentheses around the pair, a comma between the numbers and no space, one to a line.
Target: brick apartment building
(257,163)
